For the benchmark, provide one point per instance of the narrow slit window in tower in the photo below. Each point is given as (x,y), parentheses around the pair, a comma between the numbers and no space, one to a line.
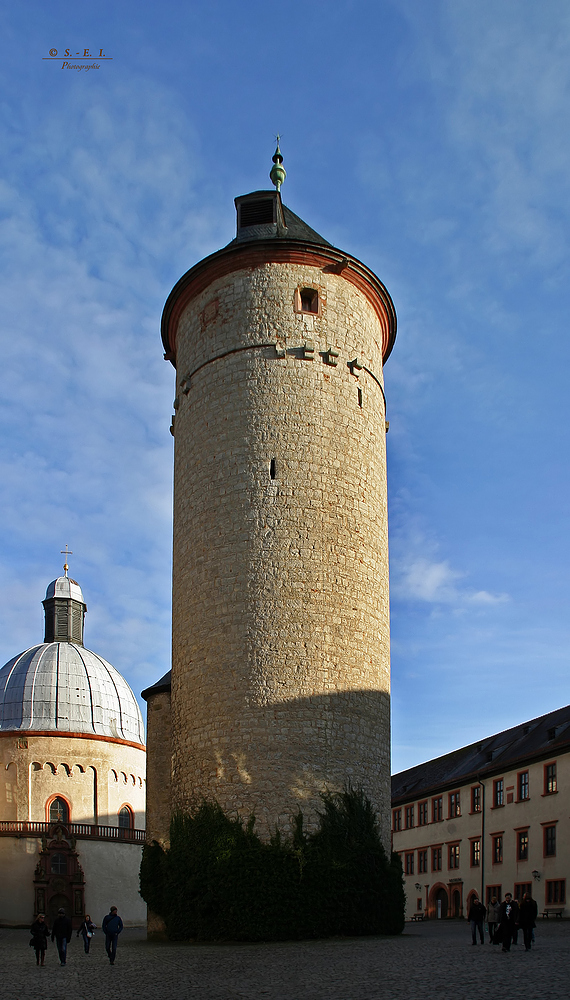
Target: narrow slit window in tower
(272,469)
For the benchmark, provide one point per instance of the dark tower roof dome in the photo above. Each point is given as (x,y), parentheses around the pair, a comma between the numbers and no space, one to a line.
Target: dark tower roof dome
(61,687)
(268,231)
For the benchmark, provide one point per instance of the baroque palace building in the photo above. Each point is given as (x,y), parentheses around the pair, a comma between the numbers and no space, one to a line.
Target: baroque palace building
(491,818)
(72,776)
(280,683)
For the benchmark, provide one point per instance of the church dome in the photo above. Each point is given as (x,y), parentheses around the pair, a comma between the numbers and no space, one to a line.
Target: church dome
(61,687)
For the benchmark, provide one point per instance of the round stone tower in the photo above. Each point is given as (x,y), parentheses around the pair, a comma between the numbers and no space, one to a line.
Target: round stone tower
(280,668)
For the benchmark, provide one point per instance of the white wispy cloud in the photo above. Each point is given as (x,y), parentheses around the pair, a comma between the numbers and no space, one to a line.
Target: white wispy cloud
(433,582)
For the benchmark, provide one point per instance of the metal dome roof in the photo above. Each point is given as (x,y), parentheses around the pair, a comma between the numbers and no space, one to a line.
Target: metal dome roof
(64,586)
(62,687)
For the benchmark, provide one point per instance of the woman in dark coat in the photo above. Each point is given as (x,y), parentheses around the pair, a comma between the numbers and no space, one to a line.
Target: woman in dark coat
(40,933)
(528,912)
(87,930)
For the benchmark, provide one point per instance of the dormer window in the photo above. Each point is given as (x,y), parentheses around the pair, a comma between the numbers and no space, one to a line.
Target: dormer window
(256,213)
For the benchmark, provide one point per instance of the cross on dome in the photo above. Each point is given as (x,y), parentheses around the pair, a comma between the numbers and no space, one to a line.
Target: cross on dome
(66,552)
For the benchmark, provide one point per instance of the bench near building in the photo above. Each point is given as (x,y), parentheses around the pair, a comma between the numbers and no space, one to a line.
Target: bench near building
(490,818)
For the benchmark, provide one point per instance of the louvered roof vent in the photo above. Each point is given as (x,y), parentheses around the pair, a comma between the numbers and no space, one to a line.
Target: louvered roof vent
(260,216)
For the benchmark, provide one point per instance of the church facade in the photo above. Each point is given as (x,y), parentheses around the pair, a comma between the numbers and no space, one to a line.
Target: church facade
(280,683)
(72,776)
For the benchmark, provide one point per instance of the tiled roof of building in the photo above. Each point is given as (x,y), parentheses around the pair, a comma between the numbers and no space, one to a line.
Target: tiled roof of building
(539,738)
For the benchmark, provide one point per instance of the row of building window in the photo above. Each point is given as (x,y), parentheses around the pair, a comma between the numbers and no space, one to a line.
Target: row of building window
(58,812)
(454,800)
(554,891)
(522,852)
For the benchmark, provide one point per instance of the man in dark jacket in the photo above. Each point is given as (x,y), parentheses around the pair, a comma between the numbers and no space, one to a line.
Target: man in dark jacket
(508,920)
(112,926)
(528,912)
(61,931)
(476,918)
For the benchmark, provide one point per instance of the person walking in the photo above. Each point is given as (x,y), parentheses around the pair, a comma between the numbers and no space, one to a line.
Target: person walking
(528,912)
(87,931)
(508,920)
(40,933)
(493,915)
(476,917)
(112,926)
(62,932)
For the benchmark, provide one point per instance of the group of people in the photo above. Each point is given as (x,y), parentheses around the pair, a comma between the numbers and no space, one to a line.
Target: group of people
(504,920)
(61,933)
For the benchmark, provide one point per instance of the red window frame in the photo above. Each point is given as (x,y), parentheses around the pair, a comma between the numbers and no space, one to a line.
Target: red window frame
(453,857)
(549,834)
(454,802)
(550,782)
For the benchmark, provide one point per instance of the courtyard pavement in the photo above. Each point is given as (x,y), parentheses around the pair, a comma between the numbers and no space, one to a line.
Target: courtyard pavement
(432,960)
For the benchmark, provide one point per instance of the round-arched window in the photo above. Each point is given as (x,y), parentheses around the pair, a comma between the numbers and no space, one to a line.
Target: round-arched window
(126,821)
(59,811)
(58,864)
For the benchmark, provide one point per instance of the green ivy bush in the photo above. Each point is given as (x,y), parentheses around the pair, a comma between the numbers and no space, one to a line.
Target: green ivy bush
(220,881)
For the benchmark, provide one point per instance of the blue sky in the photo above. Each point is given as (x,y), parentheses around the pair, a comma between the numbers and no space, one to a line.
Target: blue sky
(430,140)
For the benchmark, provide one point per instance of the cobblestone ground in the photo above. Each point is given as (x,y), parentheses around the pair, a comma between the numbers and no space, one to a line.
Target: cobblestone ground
(432,960)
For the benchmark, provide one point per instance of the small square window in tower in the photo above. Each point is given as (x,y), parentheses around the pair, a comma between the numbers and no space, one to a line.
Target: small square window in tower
(309,299)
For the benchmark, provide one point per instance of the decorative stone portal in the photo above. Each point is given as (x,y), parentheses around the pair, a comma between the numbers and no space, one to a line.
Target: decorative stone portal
(59,880)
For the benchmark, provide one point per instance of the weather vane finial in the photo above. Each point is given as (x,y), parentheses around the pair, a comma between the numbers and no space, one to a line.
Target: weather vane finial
(66,552)
(277,172)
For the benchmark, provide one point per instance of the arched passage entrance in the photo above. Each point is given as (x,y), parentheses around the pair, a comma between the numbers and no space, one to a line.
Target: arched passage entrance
(438,902)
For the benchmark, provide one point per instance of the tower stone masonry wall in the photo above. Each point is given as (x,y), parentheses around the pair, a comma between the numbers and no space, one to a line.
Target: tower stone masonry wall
(281,670)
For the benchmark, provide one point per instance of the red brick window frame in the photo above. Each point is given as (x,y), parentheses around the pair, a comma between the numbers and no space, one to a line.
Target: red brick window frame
(476,799)
(498,793)
(493,890)
(550,783)
(520,888)
(436,859)
(497,853)
(51,807)
(453,856)
(423,813)
(126,817)
(409,863)
(409,817)
(522,845)
(475,852)
(437,809)
(454,801)
(555,891)
(523,786)
(396,820)
(549,840)
(422,862)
